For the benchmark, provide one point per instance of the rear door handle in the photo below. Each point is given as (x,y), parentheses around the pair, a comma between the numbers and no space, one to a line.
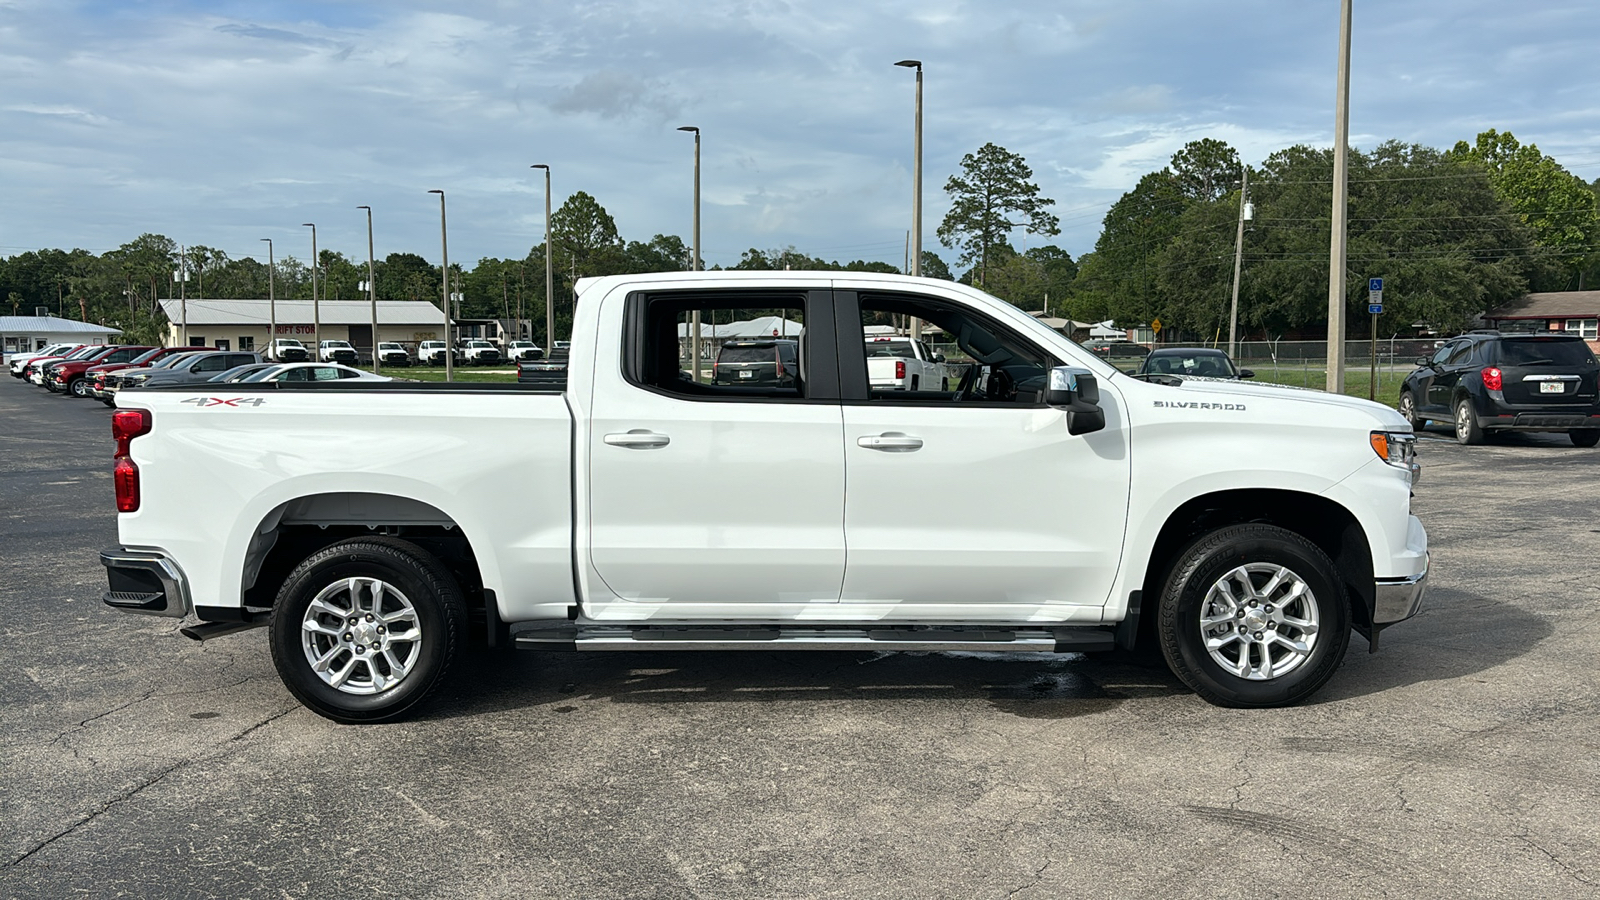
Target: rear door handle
(638,439)
(890,442)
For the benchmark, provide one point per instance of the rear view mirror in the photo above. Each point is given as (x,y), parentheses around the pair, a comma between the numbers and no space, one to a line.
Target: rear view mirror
(1076,391)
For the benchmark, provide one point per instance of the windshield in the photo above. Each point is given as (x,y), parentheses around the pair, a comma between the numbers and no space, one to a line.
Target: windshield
(388,346)
(289,342)
(1545,352)
(896,349)
(1203,365)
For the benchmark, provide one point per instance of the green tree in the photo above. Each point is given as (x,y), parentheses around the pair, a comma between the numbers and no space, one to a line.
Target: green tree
(585,237)
(1206,170)
(991,197)
(662,253)
(934,267)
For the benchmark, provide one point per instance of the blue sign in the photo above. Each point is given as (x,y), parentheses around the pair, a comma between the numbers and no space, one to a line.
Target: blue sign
(1375,308)
(1374,284)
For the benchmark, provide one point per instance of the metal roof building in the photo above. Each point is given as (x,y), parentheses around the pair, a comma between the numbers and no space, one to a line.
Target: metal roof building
(20,333)
(242,324)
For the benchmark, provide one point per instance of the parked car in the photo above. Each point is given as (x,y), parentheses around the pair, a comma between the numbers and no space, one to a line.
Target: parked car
(287,350)
(546,374)
(293,372)
(33,371)
(21,358)
(109,381)
(1192,362)
(760,362)
(1253,527)
(239,373)
(55,381)
(431,353)
(902,364)
(393,354)
(1487,382)
(191,369)
(73,378)
(339,352)
(478,353)
(518,350)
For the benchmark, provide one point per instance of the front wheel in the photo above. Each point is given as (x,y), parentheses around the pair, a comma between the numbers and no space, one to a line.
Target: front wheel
(80,388)
(1586,437)
(1408,408)
(1467,429)
(1253,616)
(364,629)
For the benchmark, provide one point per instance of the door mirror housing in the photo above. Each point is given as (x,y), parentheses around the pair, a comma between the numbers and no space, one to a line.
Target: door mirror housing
(1424,362)
(938,357)
(1076,391)
(1247,373)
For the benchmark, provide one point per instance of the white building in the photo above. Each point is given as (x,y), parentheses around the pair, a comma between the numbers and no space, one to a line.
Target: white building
(242,324)
(28,333)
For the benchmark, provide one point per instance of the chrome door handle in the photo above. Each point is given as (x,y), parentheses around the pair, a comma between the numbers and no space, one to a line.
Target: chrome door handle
(890,441)
(638,439)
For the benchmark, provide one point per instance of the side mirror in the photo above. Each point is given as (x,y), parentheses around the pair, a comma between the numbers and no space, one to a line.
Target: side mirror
(1076,391)
(1247,373)
(938,357)
(1425,362)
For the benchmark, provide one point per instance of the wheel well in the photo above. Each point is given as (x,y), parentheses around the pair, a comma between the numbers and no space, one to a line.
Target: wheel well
(1317,519)
(301,527)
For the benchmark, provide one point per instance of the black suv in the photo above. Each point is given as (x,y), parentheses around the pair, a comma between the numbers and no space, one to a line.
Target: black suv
(765,363)
(1485,382)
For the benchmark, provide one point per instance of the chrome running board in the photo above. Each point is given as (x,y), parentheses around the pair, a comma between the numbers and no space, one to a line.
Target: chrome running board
(1023,639)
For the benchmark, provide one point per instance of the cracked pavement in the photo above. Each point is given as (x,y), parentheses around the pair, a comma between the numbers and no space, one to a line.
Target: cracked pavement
(1460,761)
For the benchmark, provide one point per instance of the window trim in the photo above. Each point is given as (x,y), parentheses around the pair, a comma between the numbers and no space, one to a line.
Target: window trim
(855,386)
(817,304)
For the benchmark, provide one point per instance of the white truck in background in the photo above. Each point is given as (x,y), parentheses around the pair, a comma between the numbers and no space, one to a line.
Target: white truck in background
(897,363)
(1244,529)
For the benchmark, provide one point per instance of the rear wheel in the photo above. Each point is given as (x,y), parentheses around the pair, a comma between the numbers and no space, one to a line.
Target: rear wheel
(1586,437)
(1467,429)
(1253,616)
(364,629)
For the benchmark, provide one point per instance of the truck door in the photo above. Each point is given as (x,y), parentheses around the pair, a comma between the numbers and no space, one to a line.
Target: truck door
(712,498)
(975,501)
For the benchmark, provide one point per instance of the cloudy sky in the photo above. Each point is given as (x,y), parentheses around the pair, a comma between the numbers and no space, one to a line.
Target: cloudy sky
(223,122)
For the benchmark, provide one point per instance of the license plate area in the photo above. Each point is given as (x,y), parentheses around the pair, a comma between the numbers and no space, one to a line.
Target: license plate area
(1552,387)
(746,373)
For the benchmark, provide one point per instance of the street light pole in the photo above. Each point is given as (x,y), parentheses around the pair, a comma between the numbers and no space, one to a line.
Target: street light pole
(272,302)
(694,263)
(1238,258)
(316,310)
(372,290)
(549,271)
(916,190)
(449,338)
(1341,178)
(182,278)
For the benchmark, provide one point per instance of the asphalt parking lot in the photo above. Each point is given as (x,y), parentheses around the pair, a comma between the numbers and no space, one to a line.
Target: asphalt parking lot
(1462,760)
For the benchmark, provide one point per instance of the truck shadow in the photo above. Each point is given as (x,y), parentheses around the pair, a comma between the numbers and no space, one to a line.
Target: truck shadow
(1457,635)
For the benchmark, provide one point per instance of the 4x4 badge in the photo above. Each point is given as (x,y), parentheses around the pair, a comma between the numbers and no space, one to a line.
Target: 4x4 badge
(204,402)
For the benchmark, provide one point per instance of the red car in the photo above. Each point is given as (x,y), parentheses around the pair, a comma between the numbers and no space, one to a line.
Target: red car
(34,371)
(72,378)
(99,375)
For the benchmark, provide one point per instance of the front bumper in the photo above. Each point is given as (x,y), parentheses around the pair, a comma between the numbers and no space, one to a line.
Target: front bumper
(145,581)
(1398,599)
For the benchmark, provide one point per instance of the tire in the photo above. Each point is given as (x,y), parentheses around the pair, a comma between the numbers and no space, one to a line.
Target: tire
(1468,431)
(1408,408)
(419,597)
(79,388)
(1283,662)
(1584,437)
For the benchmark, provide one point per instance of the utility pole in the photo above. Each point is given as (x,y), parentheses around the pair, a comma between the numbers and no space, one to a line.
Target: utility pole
(316,311)
(372,289)
(1341,176)
(182,278)
(272,303)
(549,271)
(694,263)
(444,248)
(916,189)
(1238,257)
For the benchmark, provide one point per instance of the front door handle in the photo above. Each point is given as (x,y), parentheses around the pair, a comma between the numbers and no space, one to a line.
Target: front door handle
(890,442)
(638,439)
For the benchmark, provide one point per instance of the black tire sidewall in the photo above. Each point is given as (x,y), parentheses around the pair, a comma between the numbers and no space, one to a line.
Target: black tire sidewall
(1588,437)
(1200,565)
(432,592)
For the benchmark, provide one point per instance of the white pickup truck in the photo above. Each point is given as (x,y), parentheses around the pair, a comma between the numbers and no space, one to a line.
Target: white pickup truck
(1245,529)
(902,364)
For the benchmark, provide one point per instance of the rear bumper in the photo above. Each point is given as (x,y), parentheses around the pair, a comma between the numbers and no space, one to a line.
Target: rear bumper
(1494,412)
(145,581)
(1398,599)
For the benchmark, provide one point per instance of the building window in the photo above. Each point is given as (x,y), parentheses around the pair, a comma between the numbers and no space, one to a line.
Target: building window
(1589,328)
(246,342)
(196,341)
(222,344)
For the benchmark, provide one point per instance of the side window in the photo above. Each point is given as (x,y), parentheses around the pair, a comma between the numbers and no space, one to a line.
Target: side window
(751,346)
(299,374)
(986,363)
(1443,353)
(325,373)
(1459,354)
(346,373)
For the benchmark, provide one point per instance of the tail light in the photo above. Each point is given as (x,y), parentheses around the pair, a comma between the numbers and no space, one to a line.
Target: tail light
(127,424)
(899,369)
(1493,379)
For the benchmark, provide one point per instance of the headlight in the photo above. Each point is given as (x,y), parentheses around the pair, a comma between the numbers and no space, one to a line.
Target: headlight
(1398,449)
